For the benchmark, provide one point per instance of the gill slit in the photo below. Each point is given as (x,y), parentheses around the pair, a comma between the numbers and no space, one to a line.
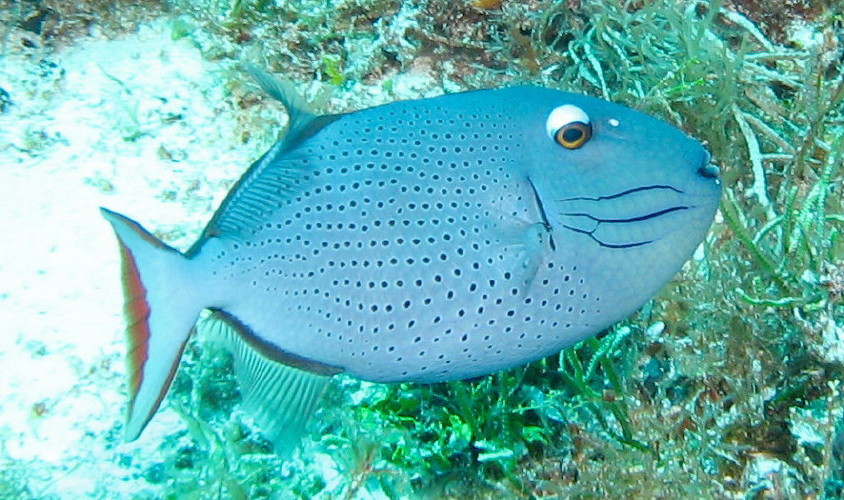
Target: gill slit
(542,214)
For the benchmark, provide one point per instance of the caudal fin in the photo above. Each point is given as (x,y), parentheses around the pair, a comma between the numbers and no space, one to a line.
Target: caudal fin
(161,308)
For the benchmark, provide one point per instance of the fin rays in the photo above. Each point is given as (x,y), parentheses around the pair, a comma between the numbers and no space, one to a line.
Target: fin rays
(277,175)
(280,398)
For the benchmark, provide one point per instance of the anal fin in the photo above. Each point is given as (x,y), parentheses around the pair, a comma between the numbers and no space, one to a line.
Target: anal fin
(279,397)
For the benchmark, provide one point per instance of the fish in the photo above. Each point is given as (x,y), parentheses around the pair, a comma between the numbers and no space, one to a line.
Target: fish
(424,241)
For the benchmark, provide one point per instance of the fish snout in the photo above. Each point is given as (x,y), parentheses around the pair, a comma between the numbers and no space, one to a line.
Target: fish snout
(706,168)
(709,170)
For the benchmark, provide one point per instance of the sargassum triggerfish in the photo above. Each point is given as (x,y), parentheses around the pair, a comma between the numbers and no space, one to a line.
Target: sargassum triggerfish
(428,240)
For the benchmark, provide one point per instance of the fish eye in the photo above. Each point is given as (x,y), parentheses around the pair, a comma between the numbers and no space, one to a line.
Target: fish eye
(569,126)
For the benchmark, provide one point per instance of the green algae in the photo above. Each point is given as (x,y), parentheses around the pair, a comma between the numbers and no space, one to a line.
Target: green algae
(693,396)
(689,407)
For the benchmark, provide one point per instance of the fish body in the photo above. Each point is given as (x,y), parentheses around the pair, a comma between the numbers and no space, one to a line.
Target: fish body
(429,240)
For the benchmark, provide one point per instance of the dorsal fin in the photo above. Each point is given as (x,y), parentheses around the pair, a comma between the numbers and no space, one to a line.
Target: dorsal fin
(304,120)
(275,176)
(298,109)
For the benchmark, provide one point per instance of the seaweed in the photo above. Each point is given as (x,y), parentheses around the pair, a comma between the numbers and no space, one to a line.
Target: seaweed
(709,390)
(772,117)
(55,23)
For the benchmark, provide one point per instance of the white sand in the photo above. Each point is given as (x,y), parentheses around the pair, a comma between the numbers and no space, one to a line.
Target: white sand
(63,149)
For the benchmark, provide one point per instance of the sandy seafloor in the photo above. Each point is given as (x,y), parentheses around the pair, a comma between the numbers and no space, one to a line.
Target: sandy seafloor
(132,125)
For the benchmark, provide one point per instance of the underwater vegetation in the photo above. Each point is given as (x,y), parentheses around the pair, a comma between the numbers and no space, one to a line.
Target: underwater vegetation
(58,22)
(728,384)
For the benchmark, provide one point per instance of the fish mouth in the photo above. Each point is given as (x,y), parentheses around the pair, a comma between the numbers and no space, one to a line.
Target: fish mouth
(709,171)
(636,216)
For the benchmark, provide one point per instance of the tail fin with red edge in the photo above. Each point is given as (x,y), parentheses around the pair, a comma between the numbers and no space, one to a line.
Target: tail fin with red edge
(161,309)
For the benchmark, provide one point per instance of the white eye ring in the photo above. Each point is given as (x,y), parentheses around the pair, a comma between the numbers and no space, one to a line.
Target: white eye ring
(563,115)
